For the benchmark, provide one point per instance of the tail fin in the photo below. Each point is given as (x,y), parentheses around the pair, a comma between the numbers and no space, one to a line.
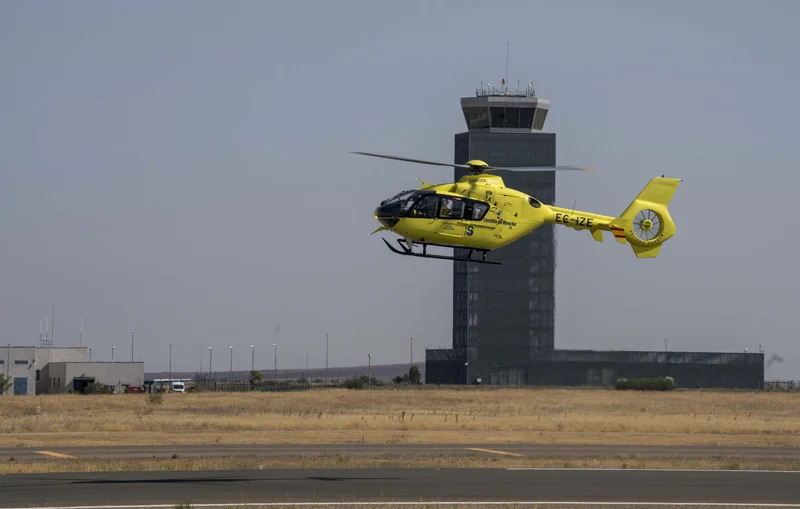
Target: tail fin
(646,223)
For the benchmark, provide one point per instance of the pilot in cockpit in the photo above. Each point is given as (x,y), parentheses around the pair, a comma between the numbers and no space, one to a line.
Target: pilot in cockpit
(446,209)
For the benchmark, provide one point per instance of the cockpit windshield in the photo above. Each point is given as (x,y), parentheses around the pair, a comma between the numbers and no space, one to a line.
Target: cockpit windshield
(404,199)
(399,204)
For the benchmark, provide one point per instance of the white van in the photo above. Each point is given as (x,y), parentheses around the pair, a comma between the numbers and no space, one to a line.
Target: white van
(177,387)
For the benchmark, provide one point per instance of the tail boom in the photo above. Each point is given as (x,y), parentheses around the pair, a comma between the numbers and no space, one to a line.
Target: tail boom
(645,224)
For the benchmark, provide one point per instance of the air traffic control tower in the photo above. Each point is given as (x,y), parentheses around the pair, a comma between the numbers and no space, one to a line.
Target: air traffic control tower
(504,314)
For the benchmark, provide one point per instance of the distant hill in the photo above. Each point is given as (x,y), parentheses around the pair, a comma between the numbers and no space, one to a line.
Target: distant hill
(384,372)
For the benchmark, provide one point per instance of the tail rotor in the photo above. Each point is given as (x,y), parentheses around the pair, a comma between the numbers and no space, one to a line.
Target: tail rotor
(646,223)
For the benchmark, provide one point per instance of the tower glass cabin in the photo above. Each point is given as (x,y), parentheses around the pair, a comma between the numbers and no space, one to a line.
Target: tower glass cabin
(503,315)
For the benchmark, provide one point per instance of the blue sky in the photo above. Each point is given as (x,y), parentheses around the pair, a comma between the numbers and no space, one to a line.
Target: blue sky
(182,169)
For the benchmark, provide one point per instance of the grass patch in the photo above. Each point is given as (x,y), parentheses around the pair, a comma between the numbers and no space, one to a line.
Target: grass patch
(466,459)
(485,415)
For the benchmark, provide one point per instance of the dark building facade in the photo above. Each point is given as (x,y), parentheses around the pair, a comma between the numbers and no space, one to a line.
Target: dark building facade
(504,315)
(691,370)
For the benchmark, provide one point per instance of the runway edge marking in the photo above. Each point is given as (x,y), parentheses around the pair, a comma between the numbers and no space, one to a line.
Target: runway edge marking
(55,454)
(420,503)
(493,451)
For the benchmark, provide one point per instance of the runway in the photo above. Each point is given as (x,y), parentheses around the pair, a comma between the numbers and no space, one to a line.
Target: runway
(385,485)
(528,450)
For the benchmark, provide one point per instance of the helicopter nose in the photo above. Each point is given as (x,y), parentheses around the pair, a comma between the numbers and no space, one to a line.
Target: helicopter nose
(387,215)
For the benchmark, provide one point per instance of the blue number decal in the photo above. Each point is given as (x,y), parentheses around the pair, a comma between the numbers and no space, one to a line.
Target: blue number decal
(469,230)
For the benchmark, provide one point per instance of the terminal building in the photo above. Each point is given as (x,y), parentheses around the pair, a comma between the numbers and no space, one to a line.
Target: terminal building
(35,370)
(504,315)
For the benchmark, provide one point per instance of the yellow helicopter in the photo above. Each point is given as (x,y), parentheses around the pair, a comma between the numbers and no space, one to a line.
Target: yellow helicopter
(479,214)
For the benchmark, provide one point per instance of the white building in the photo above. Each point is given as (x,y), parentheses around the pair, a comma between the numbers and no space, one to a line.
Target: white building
(42,370)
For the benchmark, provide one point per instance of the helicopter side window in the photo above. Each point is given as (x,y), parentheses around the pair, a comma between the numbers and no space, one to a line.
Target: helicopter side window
(479,210)
(425,207)
(451,208)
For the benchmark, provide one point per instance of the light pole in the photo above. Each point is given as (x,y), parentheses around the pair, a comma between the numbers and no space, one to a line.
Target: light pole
(369,368)
(132,346)
(170,360)
(209,361)
(412,350)
(112,353)
(275,346)
(253,359)
(306,361)
(90,355)
(326,357)
(231,369)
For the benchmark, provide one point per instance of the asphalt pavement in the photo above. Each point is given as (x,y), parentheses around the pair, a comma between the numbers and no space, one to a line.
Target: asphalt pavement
(384,485)
(530,450)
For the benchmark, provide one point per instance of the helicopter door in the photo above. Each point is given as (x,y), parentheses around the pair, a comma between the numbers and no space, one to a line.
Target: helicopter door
(450,215)
(509,213)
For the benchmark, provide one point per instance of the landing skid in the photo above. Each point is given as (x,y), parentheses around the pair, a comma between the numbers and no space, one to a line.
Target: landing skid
(405,250)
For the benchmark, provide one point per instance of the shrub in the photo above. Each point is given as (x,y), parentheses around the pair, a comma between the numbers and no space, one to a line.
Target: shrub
(5,383)
(660,383)
(412,377)
(359,382)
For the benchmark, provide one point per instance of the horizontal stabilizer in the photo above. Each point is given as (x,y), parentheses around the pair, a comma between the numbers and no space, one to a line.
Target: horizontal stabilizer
(618,229)
(598,235)
(646,251)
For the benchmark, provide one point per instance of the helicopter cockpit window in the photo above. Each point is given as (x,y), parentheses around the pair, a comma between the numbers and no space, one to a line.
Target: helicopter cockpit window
(479,210)
(425,207)
(451,208)
(401,202)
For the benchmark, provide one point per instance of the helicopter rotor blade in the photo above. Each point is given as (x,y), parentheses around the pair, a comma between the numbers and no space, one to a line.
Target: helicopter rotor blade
(433,163)
(476,168)
(539,168)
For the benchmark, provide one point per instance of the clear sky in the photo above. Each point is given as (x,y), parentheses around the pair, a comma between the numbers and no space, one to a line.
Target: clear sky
(182,169)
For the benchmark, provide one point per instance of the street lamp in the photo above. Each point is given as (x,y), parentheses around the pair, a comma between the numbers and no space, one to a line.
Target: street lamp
(170,360)
(209,361)
(231,369)
(412,350)
(326,357)
(276,366)
(132,345)
(112,353)
(369,368)
(253,359)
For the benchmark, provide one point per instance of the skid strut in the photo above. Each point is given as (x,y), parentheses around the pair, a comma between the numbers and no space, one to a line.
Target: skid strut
(405,250)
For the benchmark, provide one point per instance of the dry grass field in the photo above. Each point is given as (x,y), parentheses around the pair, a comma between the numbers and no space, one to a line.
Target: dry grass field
(467,460)
(483,415)
(385,416)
